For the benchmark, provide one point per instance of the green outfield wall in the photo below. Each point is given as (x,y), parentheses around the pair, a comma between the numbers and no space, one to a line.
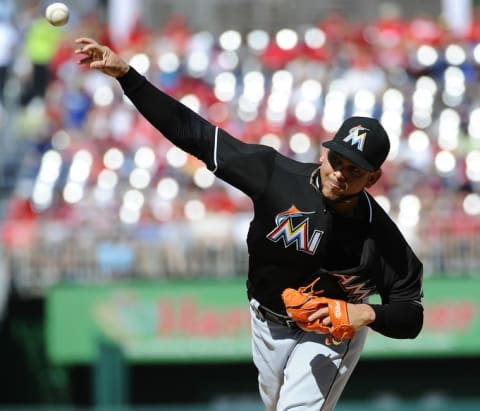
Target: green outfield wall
(208,320)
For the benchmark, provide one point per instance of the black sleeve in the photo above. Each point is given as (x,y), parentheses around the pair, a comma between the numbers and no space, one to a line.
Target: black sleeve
(248,167)
(398,320)
(399,283)
(182,126)
(244,166)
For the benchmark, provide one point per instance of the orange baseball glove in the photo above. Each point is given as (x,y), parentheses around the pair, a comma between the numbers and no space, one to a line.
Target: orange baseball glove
(302,303)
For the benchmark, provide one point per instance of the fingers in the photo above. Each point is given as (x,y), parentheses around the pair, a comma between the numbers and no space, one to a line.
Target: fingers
(88,46)
(100,57)
(89,49)
(98,64)
(88,57)
(322,313)
(92,52)
(86,60)
(85,40)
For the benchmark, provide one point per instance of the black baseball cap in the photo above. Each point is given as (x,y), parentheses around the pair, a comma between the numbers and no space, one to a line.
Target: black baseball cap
(362,140)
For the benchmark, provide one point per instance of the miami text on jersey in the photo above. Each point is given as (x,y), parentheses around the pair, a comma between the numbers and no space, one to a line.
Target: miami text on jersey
(290,233)
(356,137)
(355,287)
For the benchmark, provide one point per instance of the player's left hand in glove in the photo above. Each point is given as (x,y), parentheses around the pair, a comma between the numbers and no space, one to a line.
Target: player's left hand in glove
(302,303)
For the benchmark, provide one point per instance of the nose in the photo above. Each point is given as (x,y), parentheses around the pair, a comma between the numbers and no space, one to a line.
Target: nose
(339,174)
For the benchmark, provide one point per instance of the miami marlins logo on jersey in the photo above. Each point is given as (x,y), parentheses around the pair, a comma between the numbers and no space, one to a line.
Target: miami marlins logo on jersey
(357,136)
(290,233)
(355,287)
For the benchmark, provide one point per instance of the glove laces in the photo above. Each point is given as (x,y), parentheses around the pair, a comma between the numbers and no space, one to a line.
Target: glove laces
(308,289)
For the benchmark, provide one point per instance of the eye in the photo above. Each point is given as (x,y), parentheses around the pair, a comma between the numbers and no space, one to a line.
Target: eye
(356,172)
(333,159)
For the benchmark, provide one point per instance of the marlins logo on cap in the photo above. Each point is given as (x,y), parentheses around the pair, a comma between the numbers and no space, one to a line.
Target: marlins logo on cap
(362,140)
(356,136)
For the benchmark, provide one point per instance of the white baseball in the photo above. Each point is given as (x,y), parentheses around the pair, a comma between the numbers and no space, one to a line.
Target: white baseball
(57,14)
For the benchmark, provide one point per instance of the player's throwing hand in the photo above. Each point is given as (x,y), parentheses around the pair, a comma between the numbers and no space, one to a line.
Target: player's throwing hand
(101,58)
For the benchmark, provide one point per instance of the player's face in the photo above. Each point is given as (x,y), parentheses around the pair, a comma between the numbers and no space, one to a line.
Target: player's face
(341,177)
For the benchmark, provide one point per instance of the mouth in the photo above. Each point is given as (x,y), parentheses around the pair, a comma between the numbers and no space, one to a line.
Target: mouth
(337,187)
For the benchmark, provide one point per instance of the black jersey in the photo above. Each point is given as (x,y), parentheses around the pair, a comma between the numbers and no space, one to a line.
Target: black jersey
(294,236)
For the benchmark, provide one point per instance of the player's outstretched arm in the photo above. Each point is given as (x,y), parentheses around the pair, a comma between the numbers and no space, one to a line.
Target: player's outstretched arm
(178,123)
(100,57)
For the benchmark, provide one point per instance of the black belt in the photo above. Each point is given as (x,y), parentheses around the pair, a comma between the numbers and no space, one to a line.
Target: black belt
(277,318)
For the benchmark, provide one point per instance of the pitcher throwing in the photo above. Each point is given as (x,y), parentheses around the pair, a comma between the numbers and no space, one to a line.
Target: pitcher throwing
(315,228)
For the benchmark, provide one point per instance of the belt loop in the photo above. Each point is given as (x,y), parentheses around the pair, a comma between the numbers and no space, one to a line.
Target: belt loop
(277,318)
(291,324)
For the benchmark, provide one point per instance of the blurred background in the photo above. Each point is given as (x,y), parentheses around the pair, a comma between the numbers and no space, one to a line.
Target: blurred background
(122,258)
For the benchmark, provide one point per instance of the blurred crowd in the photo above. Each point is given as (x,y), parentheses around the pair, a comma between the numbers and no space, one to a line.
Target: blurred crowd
(99,194)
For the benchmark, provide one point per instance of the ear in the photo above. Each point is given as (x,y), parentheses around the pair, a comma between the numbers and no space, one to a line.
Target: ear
(323,155)
(373,178)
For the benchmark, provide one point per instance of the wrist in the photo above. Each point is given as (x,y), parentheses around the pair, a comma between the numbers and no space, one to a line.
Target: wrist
(368,314)
(123,71)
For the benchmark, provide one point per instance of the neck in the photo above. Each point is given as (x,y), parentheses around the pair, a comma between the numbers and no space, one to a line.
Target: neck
(345,205)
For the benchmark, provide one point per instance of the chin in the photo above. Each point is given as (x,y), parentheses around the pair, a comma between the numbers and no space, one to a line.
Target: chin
(331,196)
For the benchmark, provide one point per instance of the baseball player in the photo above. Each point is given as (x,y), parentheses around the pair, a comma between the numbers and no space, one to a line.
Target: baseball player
(312,223)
